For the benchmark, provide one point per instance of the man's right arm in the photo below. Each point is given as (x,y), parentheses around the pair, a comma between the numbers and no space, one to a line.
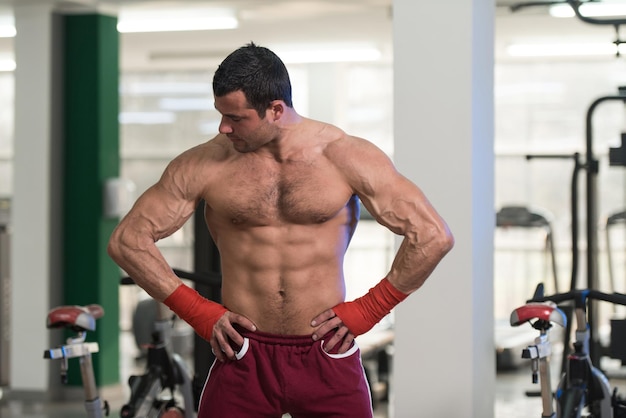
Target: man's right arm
(158,213)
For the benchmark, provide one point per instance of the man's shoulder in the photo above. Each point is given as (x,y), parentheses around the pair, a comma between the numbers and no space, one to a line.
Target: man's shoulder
(340,143)
(216,149)
(337,145)
(326,132)
(330,137)
(199,158)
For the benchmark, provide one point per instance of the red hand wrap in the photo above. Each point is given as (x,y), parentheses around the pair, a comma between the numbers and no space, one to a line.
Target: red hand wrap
(197,311)
(363,313)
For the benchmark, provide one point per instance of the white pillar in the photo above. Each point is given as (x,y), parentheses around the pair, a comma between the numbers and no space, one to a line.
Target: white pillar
(443,127)
(34,214)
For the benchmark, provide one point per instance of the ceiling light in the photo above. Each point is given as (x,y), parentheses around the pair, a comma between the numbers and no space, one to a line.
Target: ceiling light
(7,31)
(166,87)
(165,20)
(563,49)
(177,25)
(7,26)
(146,118)
(330,54)
(595,9)
(186,103)
(7,65)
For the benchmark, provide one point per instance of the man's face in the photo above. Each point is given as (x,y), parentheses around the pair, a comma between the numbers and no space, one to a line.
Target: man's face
(242,124)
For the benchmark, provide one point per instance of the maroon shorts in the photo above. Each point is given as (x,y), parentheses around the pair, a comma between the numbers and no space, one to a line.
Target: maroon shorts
(277,374)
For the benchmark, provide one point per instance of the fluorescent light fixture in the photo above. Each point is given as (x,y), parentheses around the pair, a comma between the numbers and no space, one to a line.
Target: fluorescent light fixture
(177,25)
(329,54)
(158,21)
(147,118)
(594,9)
(160,88)
(186,103)
(176,19)
(516,89)
(7,31)
(7,26)
(7,65)
(563,49)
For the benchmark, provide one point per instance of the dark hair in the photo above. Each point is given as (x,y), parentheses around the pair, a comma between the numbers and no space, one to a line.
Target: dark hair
(258,73)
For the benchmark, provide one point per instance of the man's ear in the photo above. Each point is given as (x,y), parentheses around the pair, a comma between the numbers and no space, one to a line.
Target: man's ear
(276,109)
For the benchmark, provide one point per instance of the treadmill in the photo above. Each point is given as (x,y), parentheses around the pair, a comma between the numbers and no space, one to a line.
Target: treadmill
(511,341)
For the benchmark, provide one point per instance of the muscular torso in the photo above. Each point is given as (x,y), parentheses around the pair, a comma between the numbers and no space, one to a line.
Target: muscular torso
(282,228)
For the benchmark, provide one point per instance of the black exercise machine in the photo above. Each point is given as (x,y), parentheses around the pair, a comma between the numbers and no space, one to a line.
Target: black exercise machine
(508,341)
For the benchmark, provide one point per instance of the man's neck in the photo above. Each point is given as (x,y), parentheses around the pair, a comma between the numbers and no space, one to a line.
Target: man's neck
(290,130)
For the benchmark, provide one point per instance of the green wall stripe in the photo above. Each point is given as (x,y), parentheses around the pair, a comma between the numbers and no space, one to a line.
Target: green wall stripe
(91,68)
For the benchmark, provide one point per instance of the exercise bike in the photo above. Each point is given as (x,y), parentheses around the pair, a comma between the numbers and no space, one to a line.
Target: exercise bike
(158,391)
(79,319)
(153,394)
(583,390)
(164,390)
(166,371)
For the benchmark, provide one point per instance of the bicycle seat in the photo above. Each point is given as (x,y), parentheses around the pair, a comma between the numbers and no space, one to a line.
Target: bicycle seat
(76,318)
(547,311)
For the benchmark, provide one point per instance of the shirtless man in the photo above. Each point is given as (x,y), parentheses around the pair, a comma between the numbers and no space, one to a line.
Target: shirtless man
(282,202)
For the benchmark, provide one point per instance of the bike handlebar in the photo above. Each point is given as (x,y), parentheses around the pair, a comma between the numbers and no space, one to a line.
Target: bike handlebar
(207,278)
(580,297)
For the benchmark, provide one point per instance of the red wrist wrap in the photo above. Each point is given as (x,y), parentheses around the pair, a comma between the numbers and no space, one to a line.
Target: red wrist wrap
(197,311)
(363,313)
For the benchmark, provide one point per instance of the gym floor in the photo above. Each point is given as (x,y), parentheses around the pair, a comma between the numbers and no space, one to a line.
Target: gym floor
(511,402)
(514,386)
(511,399)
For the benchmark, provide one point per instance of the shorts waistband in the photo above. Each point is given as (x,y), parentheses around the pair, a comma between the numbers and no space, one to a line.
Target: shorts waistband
(278,339)
(287,340)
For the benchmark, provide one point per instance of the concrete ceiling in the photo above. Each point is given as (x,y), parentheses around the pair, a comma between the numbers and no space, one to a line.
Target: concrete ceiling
(275,23)
(535,25)
(272,23)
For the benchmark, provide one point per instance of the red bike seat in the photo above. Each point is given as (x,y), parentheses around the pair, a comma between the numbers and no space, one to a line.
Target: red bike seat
(546,311)
(76,318)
